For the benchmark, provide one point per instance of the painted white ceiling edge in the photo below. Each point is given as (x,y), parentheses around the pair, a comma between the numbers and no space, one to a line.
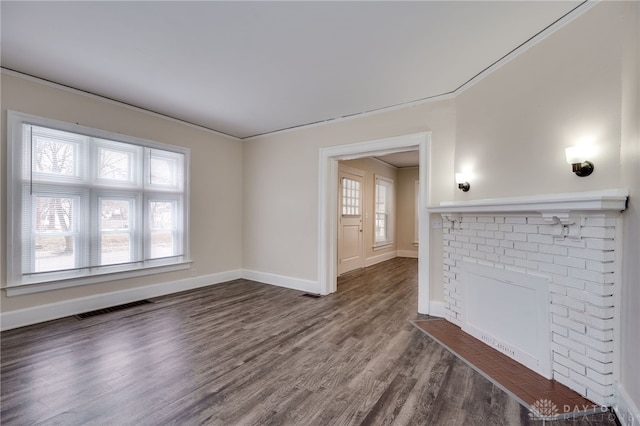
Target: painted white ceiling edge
(559,23)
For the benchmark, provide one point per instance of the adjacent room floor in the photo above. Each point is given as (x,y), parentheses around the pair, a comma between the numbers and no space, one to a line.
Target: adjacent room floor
(253,354)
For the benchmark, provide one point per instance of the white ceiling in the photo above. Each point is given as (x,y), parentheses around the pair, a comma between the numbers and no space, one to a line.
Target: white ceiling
(249,68)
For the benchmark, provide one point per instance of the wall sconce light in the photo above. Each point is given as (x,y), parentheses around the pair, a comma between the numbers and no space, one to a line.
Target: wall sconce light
(461,180)
(577,157)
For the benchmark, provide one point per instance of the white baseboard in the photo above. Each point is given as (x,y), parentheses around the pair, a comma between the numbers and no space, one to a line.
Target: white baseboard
(282,281)
(625,408)
(370,261)
(51,311)
(408,253)
(436,309)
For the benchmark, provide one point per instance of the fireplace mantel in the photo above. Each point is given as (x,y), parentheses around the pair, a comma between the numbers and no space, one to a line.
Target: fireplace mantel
(564,207)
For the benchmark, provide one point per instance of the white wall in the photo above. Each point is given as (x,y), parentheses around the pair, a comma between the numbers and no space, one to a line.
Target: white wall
(630,170)
(216,182)
(406,235)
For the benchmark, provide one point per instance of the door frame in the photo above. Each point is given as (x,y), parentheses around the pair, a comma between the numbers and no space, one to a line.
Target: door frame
(328,199)
(360,174)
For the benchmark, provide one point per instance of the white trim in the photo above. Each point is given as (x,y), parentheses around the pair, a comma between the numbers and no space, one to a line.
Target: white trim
(437,309)
(370,261)
(51,311)
(281,281)
(327,205)
(626,409)
(408,253)
(113,102)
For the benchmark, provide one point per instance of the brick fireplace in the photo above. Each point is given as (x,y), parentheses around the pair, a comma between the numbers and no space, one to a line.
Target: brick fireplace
(537,278)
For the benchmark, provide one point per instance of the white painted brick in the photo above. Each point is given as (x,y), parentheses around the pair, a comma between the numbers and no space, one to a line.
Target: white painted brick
(449,262)
(469,246)
(492,227)
(462,238)
(591,384)
(602,400)
(604,357)
(505,228)
(570,261)
(456,309)
(492,257)
(462,252)
(485,219)
(570,364)
(589,320)
(455,244)
(590,363)
(477,226)
(469,233)
(568,302)
(526,229)
(603,335)
(560,349)
(551,249)
(477,240)
(500,250)
(569,323)
(600,244)
(517,254)
(499,235)
(533,247)
(469,259)
(560,369)
(559,310)
(470,219)
(493,243)
(599,289)
(561,331)
(506,244)
(568,343)
(602,256)
(600,221)
(570,242)
(456,257)
(486,249)
(540,257)
(571,384)
(568,281)
(528,264)
(515,219)
(591,298)
(598,232)
(602,346)
(538,274)
(555,269)
(593,265)
(506,260)
(604,312)
(485,234)
(477,254)
(514,236)
(593,276)
(540,238)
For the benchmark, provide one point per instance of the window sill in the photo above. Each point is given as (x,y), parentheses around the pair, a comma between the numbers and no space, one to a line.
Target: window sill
(382,246)
(37,287)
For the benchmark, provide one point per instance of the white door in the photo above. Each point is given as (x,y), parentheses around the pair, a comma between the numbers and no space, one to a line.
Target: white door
(350,235)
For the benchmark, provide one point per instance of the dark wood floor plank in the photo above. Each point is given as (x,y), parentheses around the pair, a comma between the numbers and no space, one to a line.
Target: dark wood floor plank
(245,353)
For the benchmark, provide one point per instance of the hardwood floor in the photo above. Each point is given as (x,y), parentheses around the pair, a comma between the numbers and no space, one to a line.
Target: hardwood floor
(252,354)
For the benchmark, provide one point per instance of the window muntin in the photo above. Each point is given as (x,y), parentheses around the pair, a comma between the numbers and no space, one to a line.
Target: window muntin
(79,203)
(383,221)
(350,197)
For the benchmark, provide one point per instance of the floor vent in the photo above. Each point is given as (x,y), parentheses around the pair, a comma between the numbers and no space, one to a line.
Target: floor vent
(111,309)
(313,296)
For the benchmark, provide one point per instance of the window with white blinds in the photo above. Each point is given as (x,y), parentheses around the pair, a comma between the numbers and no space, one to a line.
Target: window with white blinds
(85,202)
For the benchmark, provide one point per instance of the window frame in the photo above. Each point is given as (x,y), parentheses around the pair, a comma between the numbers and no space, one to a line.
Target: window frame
(17,202)
(389,212)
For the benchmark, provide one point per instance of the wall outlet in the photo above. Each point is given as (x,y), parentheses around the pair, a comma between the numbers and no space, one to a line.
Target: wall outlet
(436,224)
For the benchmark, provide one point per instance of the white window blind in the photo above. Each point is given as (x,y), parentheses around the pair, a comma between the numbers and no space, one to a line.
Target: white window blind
(86,202)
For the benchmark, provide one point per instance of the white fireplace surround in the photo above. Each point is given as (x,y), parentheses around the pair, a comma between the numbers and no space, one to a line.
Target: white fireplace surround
(565,245)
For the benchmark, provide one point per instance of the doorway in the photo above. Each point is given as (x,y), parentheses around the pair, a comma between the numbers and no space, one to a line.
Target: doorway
(328,205)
